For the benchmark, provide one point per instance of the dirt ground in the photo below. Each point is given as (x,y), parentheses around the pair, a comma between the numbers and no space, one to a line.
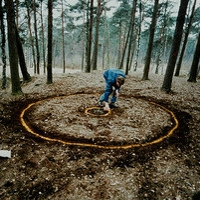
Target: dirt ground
(64,147)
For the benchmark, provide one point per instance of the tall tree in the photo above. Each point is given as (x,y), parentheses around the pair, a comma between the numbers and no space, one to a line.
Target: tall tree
(28,5)
(17,12)
(12,45)
(96,44)
(89,36)
(138,31)
(132,22)
(82,8)
(105,33)
(166,86)
(36,38)
(125,10)
(83,35)
(63,35)
(22,62)
(178,67)
(150,43)
(160,43)
(43,40)
(49,45)
(195,62)
(3,46)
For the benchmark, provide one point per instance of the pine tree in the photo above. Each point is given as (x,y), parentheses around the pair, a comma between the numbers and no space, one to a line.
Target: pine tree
(175,46)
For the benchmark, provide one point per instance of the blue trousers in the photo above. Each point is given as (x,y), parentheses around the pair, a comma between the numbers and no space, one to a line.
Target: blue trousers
(113,98)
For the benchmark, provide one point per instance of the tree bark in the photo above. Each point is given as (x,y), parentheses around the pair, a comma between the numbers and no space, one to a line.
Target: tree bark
(17,12)
(50,36)
(166,86)
(31,35)
(125,44)
(141,18)
(162,38)
(131,35)
(43,42)
(105,33)
(178,68)
(36,39)
(96,45)
(12,45)
(84,38)
(3,46)
(63,36)
(195,62)
(89,38)
(150,44)
(22,62)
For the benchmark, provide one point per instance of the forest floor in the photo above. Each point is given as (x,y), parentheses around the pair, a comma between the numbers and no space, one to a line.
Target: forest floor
(64,147)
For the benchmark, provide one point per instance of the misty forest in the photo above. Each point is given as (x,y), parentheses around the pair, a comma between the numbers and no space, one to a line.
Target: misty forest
(90,35)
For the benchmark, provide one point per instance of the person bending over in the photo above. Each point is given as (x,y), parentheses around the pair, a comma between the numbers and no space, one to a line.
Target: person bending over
(114,79)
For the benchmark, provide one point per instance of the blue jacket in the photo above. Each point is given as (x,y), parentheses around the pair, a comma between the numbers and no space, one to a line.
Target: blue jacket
(110,76)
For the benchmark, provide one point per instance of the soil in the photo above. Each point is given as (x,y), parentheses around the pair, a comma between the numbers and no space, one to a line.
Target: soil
(63,146)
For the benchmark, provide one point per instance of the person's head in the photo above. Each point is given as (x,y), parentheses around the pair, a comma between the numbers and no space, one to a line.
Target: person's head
(120,81)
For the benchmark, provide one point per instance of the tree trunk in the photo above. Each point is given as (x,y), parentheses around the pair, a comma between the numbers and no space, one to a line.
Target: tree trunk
(83,36)
(175,47)
(125,44)
(31,36)
(141,18)
(131,35)
(108,49)
(63,36)
(22,62)
(17,12)
(43,43)
(96,44)
(150,44)
(3,46)
(195,62)
(50,33)
(89,38)
(12,45)
(178,68)
(161,39)
(36,39)
(105,33)
(133,48)
(119,44)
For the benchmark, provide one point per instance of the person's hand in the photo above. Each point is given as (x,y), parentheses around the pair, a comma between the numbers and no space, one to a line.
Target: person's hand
(117,93)
(107,107)
(113,88)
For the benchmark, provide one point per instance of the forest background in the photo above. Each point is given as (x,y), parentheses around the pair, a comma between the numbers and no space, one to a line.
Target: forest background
(89,35)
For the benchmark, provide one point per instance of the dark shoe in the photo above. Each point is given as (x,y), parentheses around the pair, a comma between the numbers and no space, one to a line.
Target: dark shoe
(100,104)
(113,105)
